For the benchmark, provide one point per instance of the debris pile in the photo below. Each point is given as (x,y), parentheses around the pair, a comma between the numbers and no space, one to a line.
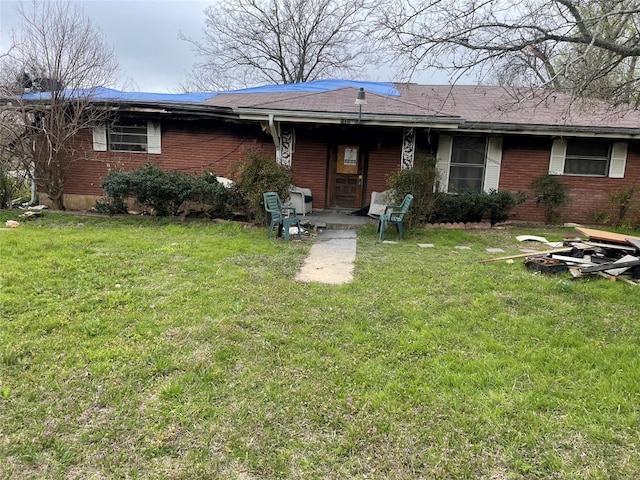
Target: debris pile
(606,254)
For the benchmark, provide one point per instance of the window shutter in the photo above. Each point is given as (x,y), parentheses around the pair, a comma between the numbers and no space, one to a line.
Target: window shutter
(492,168)
(100,138)
(443,160)
(558,152)
(618,160)
(153,137)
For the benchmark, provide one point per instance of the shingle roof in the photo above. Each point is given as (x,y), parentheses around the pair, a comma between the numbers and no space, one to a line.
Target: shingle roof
(338,101)
(472,106)
(482,104)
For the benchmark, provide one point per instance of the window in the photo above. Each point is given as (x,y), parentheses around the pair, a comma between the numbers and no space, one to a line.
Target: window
(588,157)
(466,170)
(140,136)
(469,162)
(128,137)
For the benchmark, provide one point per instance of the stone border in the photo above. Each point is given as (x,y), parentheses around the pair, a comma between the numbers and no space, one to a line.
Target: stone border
(460,225)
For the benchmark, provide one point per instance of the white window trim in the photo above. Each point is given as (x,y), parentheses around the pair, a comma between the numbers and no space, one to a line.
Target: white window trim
(100,138)
(154,138)
(493,162)
(443,160)
(617,162)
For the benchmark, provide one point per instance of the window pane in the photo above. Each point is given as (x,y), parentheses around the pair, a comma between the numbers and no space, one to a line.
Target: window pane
(469,150)
(587,148)
(587,157)
(128,138)
(465,178)
(585,167)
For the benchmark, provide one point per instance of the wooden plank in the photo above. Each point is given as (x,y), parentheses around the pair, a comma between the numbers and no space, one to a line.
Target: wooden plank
(610,246)
(635,242)
(617,271)
(609,266)
(606,236)
(528,254)
(584,261)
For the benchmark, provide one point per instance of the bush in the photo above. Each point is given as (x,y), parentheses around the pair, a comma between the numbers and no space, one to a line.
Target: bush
(159,190)
(622,200)
(552,194)
(474,206)
(257,174)
(500,203)
(419,181)
(430,206)
(465,206)
(117,185)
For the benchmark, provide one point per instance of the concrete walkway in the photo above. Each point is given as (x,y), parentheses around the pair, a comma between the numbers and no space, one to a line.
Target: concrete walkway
(330,259)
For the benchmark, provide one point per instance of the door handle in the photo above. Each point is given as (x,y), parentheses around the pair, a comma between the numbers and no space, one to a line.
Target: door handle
(359,179)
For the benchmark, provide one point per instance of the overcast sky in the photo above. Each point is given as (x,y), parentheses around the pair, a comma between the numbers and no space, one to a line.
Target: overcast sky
(144,36)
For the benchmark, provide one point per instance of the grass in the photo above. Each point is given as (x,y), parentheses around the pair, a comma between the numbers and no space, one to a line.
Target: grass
(143,348)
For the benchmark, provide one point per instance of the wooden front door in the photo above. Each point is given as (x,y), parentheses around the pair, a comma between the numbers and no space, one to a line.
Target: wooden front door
(347,177)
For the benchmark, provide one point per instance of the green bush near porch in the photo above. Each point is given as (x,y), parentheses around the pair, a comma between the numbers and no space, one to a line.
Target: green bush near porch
(430,205)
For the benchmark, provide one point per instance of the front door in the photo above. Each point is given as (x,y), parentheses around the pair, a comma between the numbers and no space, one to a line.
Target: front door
(347,177)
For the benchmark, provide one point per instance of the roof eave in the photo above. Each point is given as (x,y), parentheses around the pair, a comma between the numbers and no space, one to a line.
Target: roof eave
(344,118)
(552,130)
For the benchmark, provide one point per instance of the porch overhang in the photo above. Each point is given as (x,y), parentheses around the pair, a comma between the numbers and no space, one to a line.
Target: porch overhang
(337,118)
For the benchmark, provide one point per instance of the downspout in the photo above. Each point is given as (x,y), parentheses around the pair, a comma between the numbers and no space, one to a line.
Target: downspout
(274,135)
(33,180)
(33,187)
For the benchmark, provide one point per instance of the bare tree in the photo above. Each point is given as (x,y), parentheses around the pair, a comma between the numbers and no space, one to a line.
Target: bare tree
(56,62)
(281,41)
(566,44)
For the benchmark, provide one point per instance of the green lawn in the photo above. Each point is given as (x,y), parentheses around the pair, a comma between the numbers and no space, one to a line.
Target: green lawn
(143,348)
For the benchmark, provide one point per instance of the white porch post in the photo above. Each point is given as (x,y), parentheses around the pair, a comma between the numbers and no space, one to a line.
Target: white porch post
(408,147)
(286,145)
(283,139)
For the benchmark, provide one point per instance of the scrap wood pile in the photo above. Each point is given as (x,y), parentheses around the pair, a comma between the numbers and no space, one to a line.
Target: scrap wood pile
(607,254)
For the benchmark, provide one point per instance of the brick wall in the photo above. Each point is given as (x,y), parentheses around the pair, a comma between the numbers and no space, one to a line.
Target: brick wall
(193,147)
(309,167)
(525,159)
(214,146)
(382,163)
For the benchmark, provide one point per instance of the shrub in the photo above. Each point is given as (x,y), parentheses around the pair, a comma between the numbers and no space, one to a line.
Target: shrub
(162,191)
(431,206)
(473,206)
(500,203)
(159,190)
(419,181)
(117,186)
(552,194)
(465,206)
(622,201)
(257,173)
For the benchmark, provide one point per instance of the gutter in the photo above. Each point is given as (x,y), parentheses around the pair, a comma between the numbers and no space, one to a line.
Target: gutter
(336,118)
(552,130)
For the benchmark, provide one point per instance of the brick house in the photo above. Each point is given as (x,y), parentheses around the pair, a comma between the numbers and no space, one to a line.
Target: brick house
(482,138)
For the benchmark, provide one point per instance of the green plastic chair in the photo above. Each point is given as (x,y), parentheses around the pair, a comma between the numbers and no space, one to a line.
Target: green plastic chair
(282,217)
(394,214)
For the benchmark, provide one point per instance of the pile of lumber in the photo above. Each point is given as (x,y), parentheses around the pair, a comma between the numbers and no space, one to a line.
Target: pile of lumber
(607,254)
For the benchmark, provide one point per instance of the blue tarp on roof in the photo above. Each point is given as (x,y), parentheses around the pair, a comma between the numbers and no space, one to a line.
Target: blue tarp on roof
(109,94)
(380,88)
